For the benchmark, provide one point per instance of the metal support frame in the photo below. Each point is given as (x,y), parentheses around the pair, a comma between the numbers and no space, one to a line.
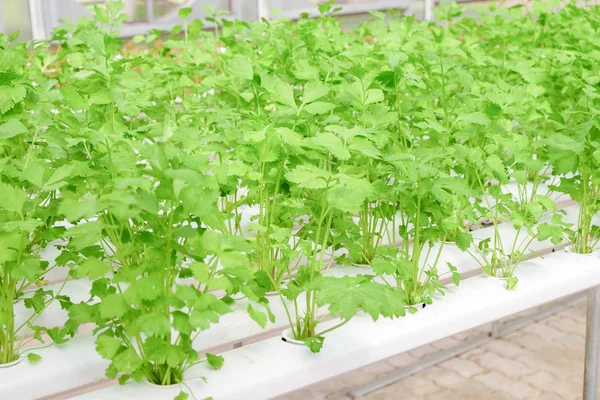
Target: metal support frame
(262,10)
(498,329)
(1,20)
(592,345)
(428,10)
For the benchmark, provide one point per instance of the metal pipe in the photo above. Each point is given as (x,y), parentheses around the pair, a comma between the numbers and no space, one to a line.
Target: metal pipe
(428,12)
(508,327)
(425,363)
(262,9)
(592,345)
(497,330)
(149,5)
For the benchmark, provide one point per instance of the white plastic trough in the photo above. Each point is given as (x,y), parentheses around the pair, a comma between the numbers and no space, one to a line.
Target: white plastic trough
(79,361)
(271,367)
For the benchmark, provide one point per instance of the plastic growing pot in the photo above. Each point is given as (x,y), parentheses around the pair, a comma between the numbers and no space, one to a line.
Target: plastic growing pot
(12,363)
(497,276)
(486,221)
(175,386)
(595,253)
(288,337)
(417,306)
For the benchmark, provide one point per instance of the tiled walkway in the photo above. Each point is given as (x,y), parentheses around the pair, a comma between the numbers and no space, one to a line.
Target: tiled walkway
(541,361)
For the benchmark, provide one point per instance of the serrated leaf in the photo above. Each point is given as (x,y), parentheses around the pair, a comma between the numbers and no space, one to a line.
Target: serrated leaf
(464,240)
(108,346)
(215,361)
(314,343)
(58,178)
(13,198)
(92,268)
(309,177)
(184,12)
(12,128)
(319,107)
(240,67)
(182,396)
(154,323)
(314,91)
(281,91)
(477,118)
(33,357)
(10,96)
(258,316)
(113,306)
(333,144)
(373,96)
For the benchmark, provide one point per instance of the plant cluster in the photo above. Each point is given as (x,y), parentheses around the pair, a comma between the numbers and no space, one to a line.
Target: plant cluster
(192,169)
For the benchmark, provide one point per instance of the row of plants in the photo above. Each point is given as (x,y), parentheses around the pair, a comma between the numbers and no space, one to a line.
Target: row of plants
(188,170)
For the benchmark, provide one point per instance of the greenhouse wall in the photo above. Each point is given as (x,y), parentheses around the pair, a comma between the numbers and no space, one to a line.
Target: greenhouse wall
(35,19)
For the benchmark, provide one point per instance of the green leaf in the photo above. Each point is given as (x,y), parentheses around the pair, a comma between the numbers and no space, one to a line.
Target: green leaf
(154,323)
(215,361)
(33,358)
(169,127)
(127,361)
(456,278)
(464,240)
(346,296)
(319,107)
(13,199)
(309,177)
(113,306)
(512,283)
(535,209)
(73,98)
(34,173)
(477,118)
(10,96)
(108,346)
(12,128)
(182,396)
(184,12)
(258,316)
(282,92)
(102,96)
(547,202)
(200,270)
(333,144)
(76,209)
(92,268)
(314,91)
(240,67)
(315,343)
(373,96)
(57,180)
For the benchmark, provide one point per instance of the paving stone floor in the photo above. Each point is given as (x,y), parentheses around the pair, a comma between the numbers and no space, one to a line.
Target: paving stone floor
(541,361)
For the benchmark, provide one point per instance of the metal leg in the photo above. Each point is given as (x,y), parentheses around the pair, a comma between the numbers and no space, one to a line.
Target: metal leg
(592,345)
(498,329)
(428,12)
(495,329)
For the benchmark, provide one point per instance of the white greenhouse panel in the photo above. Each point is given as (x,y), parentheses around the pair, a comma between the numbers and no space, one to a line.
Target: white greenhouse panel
(293,9)
(145,14)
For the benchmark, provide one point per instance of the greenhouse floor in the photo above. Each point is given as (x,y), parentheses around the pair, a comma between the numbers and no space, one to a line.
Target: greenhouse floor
(541,361)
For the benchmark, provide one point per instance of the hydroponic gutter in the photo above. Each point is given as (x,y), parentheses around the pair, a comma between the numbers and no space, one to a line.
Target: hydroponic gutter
(271,367)
(78,359)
